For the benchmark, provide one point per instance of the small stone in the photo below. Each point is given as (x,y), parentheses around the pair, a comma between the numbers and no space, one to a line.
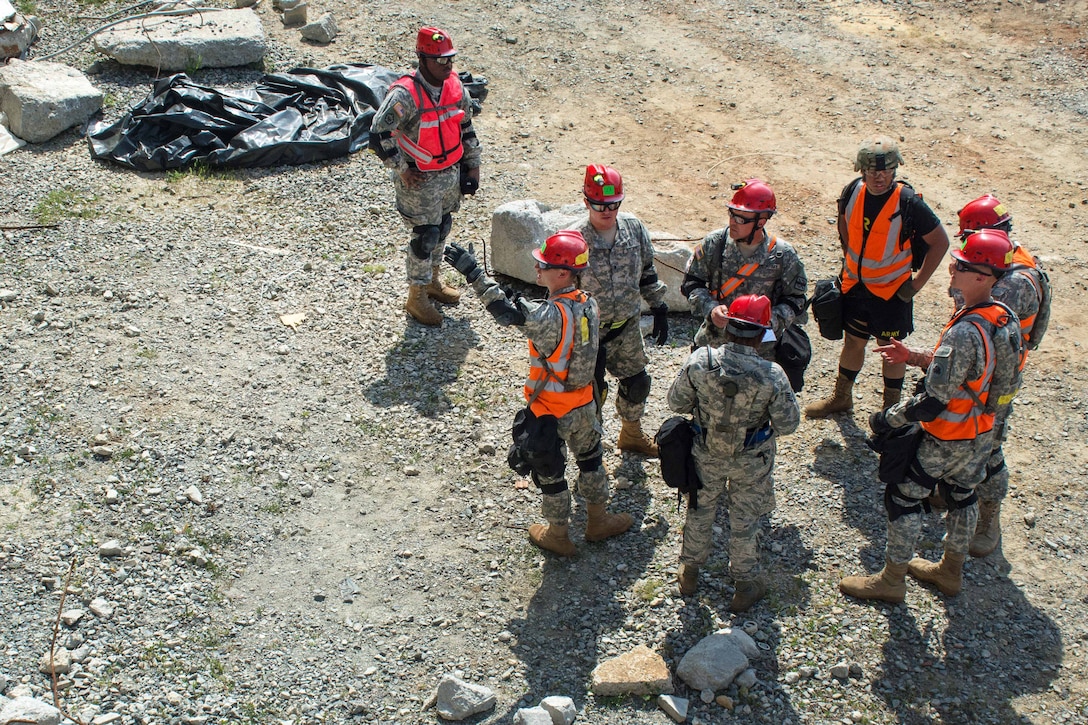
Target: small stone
(7,295)
(840,671)
(132,331)
(746,678)
(725,701)
(71,617)
(673,706)
(306,490)
(61,663)
(102,451)
(792,678)
(411,471)
(1029,519)
(194,495)
(111,549)
(707,696)
(101,608)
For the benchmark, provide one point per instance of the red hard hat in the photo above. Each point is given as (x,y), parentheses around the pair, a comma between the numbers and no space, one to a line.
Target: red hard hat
(434,42)
(749,316)
(986,248)
(603,184)
(755,196)
(566,248)
(985,212)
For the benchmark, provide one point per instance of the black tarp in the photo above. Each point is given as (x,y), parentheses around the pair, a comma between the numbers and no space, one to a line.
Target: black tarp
(296,117)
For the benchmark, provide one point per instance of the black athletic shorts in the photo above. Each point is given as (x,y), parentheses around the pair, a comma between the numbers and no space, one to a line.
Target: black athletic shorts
(865,315)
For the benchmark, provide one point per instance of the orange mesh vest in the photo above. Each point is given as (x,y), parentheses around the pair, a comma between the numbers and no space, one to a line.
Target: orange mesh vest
(746,271)
(439,144)
(551,378)
(963,419)
(880,261)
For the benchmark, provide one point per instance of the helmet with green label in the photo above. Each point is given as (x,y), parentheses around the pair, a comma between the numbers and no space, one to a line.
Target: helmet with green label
(566,248)
(434,43)
(603,184)
(985,212)
(879,153)
(986,248)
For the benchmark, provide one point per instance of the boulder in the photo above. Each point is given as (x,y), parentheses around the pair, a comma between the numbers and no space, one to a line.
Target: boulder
(221,39)
(28,710)
(323,30)
(519,227)
(43,99)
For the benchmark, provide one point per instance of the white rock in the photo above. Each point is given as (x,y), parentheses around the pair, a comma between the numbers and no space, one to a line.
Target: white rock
(61,663)
(29,710)
(111,548)
(71,617)
(101,608)
(456,699)
(322,30)
(673,706)
(207,40)
(43,99)
(561,708)
(193,494)
(532,716)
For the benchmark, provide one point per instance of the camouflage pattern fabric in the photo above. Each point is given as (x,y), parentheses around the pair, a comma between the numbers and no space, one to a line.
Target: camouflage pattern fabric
(961,463)
(613,278)
(579,429)
(780,277)
(440,192)
(731,390)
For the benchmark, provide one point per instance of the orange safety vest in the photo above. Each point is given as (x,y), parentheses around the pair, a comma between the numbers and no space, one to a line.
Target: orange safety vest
(548,376)
(963,418)
(1022,258)
(880,261)
(746,271)
(439,144)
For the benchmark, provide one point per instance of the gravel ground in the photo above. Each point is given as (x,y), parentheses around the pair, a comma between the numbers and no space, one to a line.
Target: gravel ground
(216,476)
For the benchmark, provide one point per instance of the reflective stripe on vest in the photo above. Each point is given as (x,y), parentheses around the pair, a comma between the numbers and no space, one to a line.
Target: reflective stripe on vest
(743,273)
(963,419)
(439,144)
(1021,259)
(880,260)
(554,398)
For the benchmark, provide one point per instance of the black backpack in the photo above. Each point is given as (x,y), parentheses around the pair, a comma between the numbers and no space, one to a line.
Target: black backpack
(674,440)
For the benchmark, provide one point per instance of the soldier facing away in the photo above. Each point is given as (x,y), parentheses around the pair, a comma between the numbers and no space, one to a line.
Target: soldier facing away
(741,403)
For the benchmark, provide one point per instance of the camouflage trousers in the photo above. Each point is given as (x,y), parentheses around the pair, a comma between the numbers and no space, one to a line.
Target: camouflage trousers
(439,194)
(581,432)
(996,484)
(959,463)
(624,356)
(745,480)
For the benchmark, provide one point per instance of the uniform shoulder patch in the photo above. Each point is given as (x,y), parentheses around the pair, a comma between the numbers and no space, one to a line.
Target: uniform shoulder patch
(399,110)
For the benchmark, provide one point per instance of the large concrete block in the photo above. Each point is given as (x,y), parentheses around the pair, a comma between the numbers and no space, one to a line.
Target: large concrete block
(203,40)
(43,99)
(519,227)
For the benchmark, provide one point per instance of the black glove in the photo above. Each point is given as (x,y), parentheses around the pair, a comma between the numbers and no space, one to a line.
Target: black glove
(469,185)
(878,423)
(660,333)
(463,261)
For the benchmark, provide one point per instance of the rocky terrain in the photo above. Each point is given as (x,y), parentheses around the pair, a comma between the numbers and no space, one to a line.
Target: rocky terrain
(263,523)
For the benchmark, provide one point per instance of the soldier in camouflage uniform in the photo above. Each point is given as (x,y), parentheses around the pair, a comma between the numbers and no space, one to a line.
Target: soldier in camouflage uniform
(741,402)
(743,259)
(423,133)
(971,375)
(620,276)
(1025,289)
(563,342)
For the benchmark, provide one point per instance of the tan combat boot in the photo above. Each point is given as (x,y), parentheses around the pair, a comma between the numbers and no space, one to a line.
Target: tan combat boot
(420,307)
(634,440)
(841,401)
(602,524)
(892,396)
(988,532)
(688,579)
(553,538)
(887,585)
(746,593)
(439,291)
(947,574)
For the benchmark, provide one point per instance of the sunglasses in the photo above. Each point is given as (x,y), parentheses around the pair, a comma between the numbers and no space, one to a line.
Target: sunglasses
(442,60)
(963,267)
(741,218)
(604,206)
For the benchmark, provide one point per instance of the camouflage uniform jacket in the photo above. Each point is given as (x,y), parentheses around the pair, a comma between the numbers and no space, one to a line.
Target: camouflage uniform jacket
(398,114)
(621,274)
(544,326)
(780,276)
(964,461)
(732,391)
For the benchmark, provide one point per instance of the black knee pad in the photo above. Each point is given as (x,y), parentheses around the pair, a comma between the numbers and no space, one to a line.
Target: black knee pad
(445,227)
(550,489)
(636,388)
(591,464)
(425,238)
(896,509)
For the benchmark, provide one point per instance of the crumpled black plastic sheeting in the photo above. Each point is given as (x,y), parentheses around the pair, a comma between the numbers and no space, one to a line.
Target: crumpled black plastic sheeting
(298,117)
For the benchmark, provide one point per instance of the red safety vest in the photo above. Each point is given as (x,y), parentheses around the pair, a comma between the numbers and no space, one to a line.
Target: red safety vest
(963,418)
(439,144)
(882,260)
(747,270)
(551,379)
